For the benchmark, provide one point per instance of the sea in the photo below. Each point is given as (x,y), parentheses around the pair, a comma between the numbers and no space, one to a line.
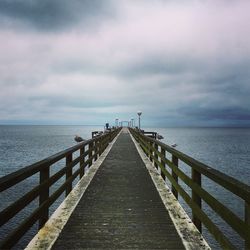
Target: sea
(225,149)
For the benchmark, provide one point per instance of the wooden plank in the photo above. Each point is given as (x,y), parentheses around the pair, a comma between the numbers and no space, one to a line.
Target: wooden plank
(44,195)
(68,173)
(82,151)
(213,229)
(226,214)
(123,213)
(240,189)
(163,153)
(41,213)
(18,205)
(156,155)
(196,178)
(247,222)
(19,231)
(20,175)
(175,176)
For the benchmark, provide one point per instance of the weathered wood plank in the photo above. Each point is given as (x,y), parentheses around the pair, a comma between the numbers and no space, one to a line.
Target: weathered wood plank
(121,208)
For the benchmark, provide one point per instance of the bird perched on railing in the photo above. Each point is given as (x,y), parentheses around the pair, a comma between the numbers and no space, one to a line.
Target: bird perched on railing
(174,145)
(78,138)
(159,137)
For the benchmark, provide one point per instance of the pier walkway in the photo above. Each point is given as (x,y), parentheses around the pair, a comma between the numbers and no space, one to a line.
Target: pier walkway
(121,208)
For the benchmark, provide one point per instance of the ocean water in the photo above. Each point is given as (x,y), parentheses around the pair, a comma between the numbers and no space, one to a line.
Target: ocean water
(226,149)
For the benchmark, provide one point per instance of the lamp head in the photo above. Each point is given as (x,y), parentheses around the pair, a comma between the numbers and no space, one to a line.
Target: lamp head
(139,113)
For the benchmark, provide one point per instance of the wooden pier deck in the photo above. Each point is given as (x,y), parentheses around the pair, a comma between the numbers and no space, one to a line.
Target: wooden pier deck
(121,208)
(122,201)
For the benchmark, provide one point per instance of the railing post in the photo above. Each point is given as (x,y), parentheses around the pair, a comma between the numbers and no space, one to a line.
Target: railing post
(96,149)
(247,221)
(196,177)
(144,142)
(82,151)
(44,195)
(163,152)
(175,176)
(68,173)
(151,151)
(102,144)
(90,153)
(156,155)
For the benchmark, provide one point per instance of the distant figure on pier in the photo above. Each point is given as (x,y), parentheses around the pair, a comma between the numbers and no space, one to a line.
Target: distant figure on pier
(78,138)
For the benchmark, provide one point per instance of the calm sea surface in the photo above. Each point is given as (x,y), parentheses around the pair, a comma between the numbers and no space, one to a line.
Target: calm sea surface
(226,149)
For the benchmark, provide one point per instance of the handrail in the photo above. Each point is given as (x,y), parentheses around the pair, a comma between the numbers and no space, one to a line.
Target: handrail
(240,189)
(95,148)
(156,150)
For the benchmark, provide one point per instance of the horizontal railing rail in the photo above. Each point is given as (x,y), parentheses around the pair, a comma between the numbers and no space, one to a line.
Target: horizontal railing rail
(89,151)
(156,151)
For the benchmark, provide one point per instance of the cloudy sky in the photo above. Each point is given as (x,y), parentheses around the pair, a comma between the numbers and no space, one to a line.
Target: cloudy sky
(182,62)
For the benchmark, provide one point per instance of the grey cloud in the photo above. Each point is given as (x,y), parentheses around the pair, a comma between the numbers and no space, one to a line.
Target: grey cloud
(229,115)
(53,14)
(116,70)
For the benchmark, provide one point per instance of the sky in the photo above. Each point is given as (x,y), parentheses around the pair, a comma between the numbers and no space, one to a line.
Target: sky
(181,62)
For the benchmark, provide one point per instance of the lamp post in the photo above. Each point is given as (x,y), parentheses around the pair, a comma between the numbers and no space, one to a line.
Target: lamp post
(116,122)
(132,122)
(139,115)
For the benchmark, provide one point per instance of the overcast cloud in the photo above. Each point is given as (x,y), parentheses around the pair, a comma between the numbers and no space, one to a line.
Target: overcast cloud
(183,63)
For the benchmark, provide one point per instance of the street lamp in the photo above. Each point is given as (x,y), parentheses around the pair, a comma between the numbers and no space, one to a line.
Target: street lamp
(116,122)
(132,122)
(139,115)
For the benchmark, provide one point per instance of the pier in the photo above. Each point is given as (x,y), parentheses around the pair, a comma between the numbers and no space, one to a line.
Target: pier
(121,200)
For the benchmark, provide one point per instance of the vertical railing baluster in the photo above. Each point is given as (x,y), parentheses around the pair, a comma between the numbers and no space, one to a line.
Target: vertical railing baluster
(144,145)
(148,148)
(68,173)
(151,151)
(102,144)
(247,221)
(96,149)
(82,151)
(196,177)
(163,152)
(156,155)
(44,195)
(175,176)
(90,153)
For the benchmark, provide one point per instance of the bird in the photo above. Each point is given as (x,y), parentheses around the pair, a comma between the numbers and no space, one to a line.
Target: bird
(159,137)
(78,138)
(174,145)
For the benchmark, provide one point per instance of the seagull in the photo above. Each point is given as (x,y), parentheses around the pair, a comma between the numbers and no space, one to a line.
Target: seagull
(174,145)
(78,138)
(159,137)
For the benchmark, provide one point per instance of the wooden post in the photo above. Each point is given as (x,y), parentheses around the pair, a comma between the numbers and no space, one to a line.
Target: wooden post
(144,143)
(68,173)
(156,155)
(196,177)
(82,151)
(247,221)
(163,152)
(44,195)
(175,176)
(96,149)
(90,153)
(151,151)
(100,145)
(148,148)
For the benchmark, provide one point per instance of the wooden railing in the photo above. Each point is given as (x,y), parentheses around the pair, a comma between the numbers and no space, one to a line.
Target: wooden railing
(88,152)
(156,151)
